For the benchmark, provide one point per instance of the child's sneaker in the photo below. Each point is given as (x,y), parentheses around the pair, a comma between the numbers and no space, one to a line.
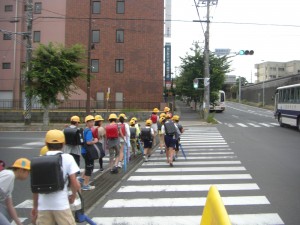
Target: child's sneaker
(80,179)
(120,164)
(87,187)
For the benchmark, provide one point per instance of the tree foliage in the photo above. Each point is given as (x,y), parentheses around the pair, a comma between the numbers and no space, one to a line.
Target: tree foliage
(54,70)
(193,67)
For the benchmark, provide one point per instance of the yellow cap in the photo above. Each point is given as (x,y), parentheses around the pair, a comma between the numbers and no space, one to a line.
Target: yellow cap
(123,115)
(132,122)
(161,119)
(21,163)
(44,150)
(166,109)
(89,118)
(134,118)
(112,116)
(98,118)
(162,115)
(54,137)
(148,122)
(75,119)
(175,117)
(155,110)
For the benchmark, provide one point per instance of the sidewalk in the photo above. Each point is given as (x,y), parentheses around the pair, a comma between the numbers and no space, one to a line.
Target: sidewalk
(105,181)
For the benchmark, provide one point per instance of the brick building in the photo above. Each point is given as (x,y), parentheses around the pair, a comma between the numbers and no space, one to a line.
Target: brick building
(123,39)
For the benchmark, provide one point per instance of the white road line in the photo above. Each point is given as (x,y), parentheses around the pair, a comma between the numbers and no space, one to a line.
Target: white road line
(188,163)
(191,177)
(22,219)
(206,146)
(275,124)
(229,124)
(27,204)
(215,141)
(254,125)
(182,202)
(189,187)
(197,150)
(241,219)
(190,169)
(266,125)
(211,153)
(241,124)
(198,157)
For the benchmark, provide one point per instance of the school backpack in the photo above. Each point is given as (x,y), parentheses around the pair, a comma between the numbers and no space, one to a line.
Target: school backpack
(73,136)
(132,132)
(170,128)
(47,174)
(95,132)
(146,134)
(112,131)
(122,126)
(153,118)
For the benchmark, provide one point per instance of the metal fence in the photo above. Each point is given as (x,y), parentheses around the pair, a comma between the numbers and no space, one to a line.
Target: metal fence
(80,105)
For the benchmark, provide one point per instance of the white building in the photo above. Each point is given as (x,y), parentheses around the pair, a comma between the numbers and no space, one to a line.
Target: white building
(271,70)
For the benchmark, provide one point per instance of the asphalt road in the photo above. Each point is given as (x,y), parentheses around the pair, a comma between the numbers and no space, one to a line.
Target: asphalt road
(270,153)
(247,150)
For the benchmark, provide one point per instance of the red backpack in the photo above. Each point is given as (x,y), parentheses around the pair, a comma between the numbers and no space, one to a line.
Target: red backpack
(112,131)
(153,118)
(95,132)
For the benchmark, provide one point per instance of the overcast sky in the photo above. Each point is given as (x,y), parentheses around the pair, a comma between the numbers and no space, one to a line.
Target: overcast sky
(269,27)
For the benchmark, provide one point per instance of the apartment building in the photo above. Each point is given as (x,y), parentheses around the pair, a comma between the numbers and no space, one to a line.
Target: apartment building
(123,40)
(271,70)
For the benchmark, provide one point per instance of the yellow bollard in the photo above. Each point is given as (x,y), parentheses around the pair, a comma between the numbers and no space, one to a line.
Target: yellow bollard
(214,212)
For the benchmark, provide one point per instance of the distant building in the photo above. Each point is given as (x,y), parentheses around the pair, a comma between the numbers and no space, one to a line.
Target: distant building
(126,44)
(271,70)
(230,79)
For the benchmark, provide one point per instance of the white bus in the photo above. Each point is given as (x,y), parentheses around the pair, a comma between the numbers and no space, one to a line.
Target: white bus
(287,105)
(219,106)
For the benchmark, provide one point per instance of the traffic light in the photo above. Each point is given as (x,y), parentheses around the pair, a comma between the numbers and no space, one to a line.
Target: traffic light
(246,52)
(195,83)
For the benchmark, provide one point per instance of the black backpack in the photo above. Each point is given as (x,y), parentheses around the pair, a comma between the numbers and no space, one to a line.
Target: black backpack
(47,174)
(132,132)
(146,134)
(74,136)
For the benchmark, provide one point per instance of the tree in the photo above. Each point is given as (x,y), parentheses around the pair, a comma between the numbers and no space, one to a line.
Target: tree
(192,67)
(54,71)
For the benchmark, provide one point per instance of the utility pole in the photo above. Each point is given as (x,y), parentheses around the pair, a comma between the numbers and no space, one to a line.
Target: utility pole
(88,79)
(206,102)
(27,115)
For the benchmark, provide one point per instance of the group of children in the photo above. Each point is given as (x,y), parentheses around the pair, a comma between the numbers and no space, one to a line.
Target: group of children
(122,140)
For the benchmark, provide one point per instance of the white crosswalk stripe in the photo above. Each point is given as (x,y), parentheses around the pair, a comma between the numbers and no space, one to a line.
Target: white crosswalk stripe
(247,125)
(209,161)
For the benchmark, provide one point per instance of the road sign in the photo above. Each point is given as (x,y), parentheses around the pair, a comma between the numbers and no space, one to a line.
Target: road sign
(222,51)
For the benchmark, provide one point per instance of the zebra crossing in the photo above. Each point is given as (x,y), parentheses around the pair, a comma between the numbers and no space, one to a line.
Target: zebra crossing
(158,194)
(245,125)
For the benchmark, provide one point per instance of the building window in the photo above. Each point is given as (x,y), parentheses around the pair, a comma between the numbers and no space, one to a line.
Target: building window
(94,65)
(96,36)
(96,7)
(6,66)
(7,36)
(120,36)
(8,8)
(119,65)
(280,69)
(37,7)
(37,36)
(120,6)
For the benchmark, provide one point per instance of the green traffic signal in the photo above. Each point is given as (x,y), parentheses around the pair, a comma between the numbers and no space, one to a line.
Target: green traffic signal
(246,52)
